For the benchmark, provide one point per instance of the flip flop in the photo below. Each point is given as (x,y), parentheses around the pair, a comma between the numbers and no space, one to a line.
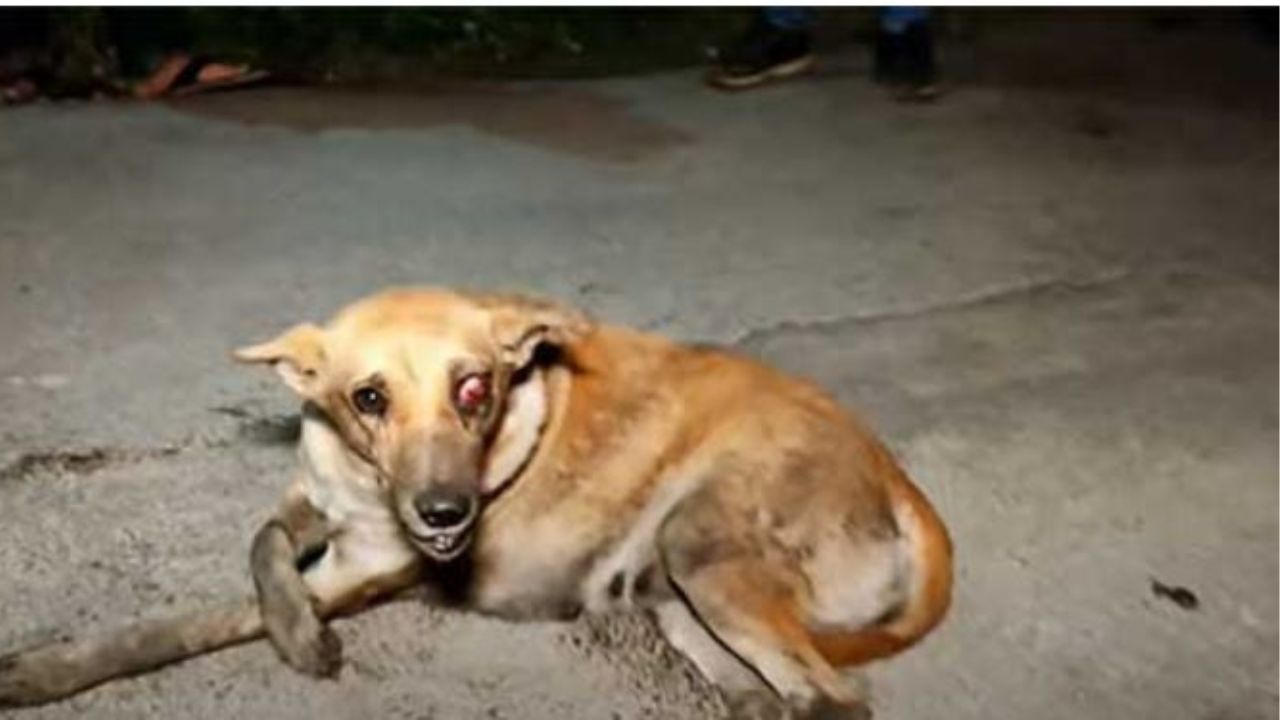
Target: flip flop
(18,92)
(180,75)
(188,81)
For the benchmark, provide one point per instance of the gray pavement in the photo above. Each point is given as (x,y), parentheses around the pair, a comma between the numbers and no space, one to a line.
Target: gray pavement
(1058,302)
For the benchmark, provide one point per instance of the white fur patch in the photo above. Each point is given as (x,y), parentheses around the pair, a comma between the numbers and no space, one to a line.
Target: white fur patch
(859,585)
(337,484)
(637,547)
(518,436)
(347,492)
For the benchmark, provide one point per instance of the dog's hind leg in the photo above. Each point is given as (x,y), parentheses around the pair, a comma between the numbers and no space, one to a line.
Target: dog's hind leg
(750,605)
(685,633)
(747,695)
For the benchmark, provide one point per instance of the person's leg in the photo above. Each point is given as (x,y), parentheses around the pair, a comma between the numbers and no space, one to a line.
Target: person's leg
(905,53)
(777,45)
(145,36)
(24,42)
(788,19)
(159,46)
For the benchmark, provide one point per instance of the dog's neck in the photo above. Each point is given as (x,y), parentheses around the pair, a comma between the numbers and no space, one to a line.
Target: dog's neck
(518,435)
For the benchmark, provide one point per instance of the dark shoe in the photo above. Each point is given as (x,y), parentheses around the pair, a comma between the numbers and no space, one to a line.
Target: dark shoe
(925,93)
(764,53)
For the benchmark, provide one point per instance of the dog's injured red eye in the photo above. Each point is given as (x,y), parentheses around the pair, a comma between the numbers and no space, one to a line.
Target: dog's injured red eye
(473,391)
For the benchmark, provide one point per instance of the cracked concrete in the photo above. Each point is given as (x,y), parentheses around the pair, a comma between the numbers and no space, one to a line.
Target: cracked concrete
(281,429)
(1011,293)
(76,462)
(1056,300)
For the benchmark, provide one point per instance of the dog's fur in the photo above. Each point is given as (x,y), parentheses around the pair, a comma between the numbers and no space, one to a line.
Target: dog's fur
(772,536)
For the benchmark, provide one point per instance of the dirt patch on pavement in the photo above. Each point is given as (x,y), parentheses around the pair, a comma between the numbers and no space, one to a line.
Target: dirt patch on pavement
(77,462)
(656,672)
(260,429)
(562,119)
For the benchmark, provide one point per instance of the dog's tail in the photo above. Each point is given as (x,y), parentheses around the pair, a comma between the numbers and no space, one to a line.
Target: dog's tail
(929,593)
(50,672)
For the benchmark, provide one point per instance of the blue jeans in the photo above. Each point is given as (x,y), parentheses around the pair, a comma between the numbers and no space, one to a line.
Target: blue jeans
(789,18)
(894,19)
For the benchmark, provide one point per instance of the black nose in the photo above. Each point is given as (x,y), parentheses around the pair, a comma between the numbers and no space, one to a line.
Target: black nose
(441,510)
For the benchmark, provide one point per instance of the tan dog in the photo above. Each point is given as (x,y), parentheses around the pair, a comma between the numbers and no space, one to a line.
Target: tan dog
(532,464)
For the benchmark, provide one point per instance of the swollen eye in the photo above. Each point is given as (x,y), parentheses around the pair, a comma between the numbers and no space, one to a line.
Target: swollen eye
(473,391)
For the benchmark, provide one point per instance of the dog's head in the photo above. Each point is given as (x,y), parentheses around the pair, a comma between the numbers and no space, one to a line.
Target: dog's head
(417,384)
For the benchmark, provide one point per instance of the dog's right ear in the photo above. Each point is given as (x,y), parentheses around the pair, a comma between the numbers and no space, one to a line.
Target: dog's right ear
(520,324)
(297,356)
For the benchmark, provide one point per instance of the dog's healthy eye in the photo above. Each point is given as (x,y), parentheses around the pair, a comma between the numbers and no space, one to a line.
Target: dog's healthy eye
(369,401)
(472,391)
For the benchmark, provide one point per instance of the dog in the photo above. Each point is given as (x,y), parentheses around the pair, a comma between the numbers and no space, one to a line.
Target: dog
(521,459)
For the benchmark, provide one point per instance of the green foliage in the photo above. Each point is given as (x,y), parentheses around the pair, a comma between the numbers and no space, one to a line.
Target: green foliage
(85,49)
(373,42)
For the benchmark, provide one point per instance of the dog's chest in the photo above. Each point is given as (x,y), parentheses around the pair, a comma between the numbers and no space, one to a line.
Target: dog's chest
(566,558)
(532,574)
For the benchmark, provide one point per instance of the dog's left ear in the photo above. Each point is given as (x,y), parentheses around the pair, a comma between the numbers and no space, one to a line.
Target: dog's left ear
(297,356)
(520,324)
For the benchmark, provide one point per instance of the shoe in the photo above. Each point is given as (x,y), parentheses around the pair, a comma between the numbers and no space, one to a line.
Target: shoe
(763,54)
(926,93)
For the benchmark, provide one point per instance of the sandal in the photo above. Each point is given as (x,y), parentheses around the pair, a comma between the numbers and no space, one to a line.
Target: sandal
(18,92)
(187,75)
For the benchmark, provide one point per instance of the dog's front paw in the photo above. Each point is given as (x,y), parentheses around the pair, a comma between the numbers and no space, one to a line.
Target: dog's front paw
(310,647)
(25,682)
(14,689)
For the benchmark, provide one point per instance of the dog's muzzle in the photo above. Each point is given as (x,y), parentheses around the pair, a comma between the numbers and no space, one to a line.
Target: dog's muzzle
(443,522)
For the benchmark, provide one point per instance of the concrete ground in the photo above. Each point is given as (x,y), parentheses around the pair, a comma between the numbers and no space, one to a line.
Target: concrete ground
(1054,292)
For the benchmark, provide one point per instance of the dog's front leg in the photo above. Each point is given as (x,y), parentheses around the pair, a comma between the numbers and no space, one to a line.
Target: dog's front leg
(357,564)
(290,619)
